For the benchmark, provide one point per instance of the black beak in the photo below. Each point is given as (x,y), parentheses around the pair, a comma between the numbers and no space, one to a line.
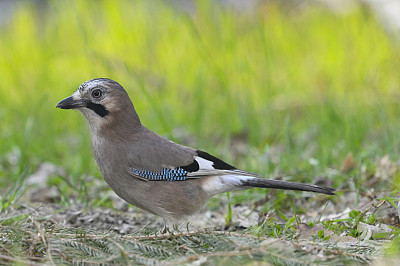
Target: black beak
(70,103)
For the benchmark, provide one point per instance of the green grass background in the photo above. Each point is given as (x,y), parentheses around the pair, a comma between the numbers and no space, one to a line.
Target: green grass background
(288,84)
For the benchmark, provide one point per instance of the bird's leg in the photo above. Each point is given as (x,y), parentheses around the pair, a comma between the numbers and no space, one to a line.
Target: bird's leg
(165,230)
(169,226)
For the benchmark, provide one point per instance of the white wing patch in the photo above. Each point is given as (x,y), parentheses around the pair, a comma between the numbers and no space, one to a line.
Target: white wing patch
(204,164)
(206,168)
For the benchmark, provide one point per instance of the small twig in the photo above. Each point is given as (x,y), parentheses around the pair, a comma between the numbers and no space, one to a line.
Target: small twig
(373,205)
(49,253)
(246,252)
(107,260)
(188,248)
(128,255)
(18,260)
(319,219)
(268,217)
(163,236)
(121,248)
(333,251)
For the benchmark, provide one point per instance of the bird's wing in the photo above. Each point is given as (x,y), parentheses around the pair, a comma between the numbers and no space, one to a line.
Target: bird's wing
(203,165)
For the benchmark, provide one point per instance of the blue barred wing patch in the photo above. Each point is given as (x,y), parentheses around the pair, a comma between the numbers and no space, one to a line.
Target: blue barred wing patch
(176,174)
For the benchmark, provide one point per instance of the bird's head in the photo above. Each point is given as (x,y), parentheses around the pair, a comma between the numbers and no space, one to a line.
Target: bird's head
(102,101)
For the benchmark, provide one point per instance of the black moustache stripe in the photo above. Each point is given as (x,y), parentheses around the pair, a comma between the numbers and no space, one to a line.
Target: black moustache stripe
(98,109)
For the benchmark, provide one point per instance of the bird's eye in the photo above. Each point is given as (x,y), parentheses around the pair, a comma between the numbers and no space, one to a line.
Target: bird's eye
(97,93)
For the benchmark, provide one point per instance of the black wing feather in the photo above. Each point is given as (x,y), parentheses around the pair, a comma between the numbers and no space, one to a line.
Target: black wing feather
(217,163)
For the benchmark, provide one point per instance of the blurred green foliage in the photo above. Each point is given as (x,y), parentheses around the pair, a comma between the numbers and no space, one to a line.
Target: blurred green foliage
(281,90)
(289,84)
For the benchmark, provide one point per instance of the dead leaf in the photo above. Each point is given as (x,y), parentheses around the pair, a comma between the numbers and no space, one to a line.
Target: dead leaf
(348,163)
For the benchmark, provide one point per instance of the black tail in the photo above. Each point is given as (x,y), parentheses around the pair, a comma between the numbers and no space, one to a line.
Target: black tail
(277,184)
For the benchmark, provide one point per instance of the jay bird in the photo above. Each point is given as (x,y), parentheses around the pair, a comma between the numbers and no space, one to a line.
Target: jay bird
(149,171)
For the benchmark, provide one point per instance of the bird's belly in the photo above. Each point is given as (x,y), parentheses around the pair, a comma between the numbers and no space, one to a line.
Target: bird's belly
(172,200)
